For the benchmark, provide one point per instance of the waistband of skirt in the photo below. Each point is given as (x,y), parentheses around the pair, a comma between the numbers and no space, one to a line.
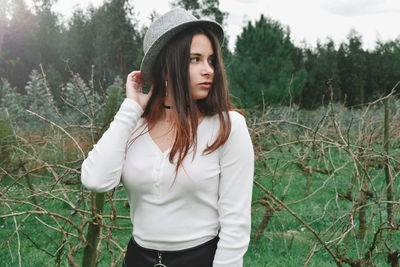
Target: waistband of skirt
(149,250)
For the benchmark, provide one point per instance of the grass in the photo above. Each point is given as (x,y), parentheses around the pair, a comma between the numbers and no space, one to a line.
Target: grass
(285,155)
(278,246)
(285,242)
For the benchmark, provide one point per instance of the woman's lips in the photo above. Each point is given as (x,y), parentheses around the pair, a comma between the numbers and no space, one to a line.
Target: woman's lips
(205,85)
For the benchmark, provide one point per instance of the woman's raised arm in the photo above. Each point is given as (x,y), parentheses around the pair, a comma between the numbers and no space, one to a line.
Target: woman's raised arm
(101,170)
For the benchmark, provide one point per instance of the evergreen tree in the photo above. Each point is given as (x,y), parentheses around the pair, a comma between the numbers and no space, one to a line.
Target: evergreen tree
(48,41)
(81,105)
(202,9)
(11,101)
(321,65)
(19,54)
(3,23)
(263,67)
(31,39)
(352,69)
(38,100)
(120,83)
(78,45)
(207,9)
(383,69)
(117,45)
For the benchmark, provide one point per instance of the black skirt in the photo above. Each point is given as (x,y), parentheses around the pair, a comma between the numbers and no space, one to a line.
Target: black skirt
(199,256)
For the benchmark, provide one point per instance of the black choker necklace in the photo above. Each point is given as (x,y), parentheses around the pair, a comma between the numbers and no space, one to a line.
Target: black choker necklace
(167,107)
(170,107)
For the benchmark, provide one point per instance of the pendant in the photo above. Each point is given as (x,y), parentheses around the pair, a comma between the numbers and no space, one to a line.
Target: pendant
(159,264)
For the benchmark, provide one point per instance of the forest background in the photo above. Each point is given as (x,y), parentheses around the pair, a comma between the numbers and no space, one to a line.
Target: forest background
(264,66)
(324,123)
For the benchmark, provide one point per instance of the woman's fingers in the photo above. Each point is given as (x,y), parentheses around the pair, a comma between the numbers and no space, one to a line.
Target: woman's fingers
(135,80)
(134,86)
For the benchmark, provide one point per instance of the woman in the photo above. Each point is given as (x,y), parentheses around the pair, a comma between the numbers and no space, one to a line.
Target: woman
(183,151)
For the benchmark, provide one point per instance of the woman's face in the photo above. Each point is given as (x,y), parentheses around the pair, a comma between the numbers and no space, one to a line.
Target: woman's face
(201,69)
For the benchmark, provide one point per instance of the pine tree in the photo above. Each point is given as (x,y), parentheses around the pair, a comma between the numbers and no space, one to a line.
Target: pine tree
(120,83)
(19,49)
(117,45)
(38,99)
(264,65)
(208,9)
(81,105)
(352,66)
(11,101)
(204,9)
(321,64)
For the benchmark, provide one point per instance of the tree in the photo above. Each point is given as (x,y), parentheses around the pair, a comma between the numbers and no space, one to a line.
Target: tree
(78,45)
(3,22)
(321,65)
(19,55)
(352,69)
(207,9)
(204,9)
(117,45)
(11,101)
(38,99)
(31,39)
(48,41)
(263,67)
(383,68)
(81,105)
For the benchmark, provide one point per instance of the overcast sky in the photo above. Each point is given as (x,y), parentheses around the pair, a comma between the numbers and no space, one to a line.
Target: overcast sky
(308,20)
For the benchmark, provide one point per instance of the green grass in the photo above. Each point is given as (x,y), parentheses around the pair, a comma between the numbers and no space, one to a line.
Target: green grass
(285,241)
(275,247)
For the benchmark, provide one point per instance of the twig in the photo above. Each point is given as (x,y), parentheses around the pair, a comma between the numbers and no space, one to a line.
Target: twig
(301,220)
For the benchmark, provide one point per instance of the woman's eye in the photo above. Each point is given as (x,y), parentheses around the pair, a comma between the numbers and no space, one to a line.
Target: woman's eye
(194,59)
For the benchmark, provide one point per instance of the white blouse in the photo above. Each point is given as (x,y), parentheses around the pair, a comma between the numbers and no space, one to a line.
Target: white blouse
(210,193)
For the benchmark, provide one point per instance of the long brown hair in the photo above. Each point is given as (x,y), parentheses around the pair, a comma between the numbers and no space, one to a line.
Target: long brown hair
(173,62)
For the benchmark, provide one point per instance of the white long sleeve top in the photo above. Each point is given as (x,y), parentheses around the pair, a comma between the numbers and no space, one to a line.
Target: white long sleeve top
(211,192)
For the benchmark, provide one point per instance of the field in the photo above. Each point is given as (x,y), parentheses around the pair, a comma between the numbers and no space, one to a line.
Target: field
(326,191)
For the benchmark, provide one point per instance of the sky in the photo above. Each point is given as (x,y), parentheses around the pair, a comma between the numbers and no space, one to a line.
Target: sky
(308,20)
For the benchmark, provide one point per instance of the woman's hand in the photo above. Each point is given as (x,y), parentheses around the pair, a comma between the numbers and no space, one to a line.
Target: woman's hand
(134,86)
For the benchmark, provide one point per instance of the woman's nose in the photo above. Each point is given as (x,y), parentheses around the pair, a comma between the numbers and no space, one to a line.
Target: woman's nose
(207,69)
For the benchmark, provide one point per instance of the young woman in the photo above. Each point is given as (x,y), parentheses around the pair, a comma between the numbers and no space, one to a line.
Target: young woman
(183,151)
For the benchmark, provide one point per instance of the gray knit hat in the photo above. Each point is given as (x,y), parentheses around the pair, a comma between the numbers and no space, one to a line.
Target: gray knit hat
(163,29)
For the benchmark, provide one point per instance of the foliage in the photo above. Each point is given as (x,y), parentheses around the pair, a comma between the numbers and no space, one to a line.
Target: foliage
(203,9)
(335,161)
(38,99)
(384,63)
(265,67)
(112,105)
(90,254)
(319,197)
(48,44)
(79,101)
(323,78)
(11,100)
(352,69)
(262,68)
(353,75)
(78,48)
(116,43)
(6,137)
(208,9)
(19,50)
(105,38)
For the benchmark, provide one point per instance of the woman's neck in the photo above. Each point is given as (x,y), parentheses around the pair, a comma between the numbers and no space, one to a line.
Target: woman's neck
(168,107)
